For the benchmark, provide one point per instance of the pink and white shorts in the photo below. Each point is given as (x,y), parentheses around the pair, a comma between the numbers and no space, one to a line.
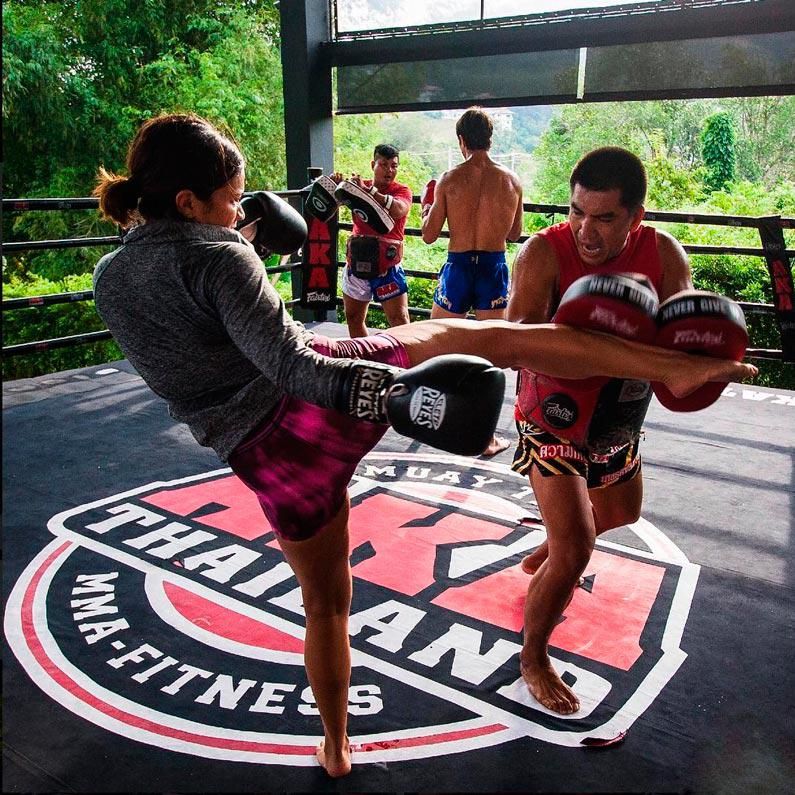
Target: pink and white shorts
(300,460)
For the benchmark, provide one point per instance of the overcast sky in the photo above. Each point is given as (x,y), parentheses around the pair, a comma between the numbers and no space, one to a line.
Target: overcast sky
(370,14)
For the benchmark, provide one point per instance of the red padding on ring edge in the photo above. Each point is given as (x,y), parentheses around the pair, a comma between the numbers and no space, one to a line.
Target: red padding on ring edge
(697,321)
(587,305)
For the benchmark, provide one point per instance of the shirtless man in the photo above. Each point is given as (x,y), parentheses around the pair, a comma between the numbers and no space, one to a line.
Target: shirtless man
(482,204)
(581,492)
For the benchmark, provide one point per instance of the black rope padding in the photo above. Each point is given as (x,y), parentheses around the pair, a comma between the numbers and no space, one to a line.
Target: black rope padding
(80,203)
(77,242)
(88,295)
(691,248)
(58,342)
(47,300)
(88,203)
(764,353)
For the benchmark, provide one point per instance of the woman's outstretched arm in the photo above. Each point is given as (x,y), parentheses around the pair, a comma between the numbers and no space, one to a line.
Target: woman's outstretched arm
(566,352)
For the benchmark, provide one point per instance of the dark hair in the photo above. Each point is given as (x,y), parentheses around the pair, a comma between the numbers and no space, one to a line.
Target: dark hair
(385,150)
(611,168)
(475,128)
(170,153)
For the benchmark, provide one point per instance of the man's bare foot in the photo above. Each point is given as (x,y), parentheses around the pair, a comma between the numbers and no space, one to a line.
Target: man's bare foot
(496,445)
(336,765)
(548,689)
(687,379)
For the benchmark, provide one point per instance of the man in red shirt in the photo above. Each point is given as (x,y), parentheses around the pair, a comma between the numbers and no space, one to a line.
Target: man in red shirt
(390,288)
(581,492)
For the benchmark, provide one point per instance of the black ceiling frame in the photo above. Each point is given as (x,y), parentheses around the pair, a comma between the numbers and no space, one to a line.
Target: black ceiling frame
(482,23)
(683,19)
(568,99)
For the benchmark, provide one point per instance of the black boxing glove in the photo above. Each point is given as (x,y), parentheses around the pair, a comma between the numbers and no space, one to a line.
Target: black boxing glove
(450,402)
(320,202)
(271,225)
(698,321)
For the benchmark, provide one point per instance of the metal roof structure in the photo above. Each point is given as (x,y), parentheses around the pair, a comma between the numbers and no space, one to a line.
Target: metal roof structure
(668,49)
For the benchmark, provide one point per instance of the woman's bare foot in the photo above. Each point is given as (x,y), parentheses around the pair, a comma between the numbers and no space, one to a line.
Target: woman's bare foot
(496,445)
(338,764)
(687,379)
(548,689)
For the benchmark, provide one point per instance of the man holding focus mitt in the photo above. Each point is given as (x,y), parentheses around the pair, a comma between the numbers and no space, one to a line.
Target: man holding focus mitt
(374,252)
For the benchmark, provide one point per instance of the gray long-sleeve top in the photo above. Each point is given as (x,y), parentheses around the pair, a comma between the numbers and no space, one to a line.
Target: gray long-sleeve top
(191,307)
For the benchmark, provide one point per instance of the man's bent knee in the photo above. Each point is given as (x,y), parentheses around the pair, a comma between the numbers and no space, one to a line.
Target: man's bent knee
(618,505)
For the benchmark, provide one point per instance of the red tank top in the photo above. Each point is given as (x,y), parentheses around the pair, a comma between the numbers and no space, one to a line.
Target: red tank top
(639,255)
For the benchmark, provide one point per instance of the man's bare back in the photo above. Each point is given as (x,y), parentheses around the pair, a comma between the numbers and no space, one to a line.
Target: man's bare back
(483,201)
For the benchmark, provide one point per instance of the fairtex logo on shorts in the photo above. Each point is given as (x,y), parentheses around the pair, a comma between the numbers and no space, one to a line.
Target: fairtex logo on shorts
(559,410)
(632,390)
(167,614)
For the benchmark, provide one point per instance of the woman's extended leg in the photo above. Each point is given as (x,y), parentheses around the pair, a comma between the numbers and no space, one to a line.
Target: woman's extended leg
(322,567)
(565,352)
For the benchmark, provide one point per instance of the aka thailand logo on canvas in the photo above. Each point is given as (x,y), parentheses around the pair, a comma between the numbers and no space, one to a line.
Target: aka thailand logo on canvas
(167,615)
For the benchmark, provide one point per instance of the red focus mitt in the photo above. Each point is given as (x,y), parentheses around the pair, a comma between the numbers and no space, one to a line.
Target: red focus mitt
(597,413)
(622,304)
(697,321)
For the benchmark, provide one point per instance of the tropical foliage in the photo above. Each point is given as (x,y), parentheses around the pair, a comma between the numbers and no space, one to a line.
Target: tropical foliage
(79,76)
(718,144)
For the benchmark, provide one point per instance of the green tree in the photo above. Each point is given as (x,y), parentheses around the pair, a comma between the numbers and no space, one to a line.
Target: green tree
(669,186)
(718,147)
(81,75)
(668,130)
(765,138)
(573,131)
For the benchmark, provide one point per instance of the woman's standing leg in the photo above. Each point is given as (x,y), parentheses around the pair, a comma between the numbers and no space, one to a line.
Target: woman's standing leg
(322,567)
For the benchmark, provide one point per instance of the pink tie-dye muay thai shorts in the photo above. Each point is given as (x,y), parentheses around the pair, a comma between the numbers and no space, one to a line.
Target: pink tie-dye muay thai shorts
(300,460)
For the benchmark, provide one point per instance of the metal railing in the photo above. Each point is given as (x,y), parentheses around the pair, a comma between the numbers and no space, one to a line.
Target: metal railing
(550,210)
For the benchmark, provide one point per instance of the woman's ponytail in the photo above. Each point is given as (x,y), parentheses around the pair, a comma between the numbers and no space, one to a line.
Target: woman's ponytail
(118,197)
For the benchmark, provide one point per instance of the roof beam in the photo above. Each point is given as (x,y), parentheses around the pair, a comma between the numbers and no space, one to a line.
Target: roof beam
(665,24)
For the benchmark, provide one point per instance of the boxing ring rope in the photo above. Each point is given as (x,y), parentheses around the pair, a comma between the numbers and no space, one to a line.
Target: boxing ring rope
(550,210)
